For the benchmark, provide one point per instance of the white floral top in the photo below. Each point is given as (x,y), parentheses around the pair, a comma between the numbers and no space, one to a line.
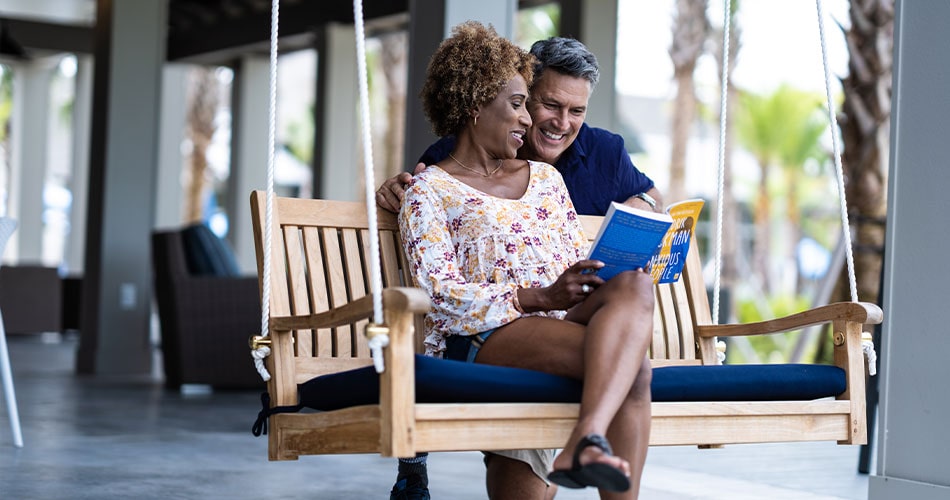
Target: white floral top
(470,251)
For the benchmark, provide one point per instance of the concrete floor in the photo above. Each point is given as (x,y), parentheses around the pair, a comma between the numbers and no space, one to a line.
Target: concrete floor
(104,438)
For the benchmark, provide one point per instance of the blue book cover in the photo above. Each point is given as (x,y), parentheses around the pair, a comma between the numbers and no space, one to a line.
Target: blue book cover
(630,238)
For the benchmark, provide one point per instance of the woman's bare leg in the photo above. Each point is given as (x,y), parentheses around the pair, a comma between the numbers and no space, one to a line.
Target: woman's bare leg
(604,341)
(629,433)
(618,334)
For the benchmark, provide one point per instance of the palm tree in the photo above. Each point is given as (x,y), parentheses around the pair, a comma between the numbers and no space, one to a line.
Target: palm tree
(6,108)
(864,129)
(799,146)
(759,125)
(6,100)
(395,65)
(537,23)
(690,28)
(202,105)
(780,130)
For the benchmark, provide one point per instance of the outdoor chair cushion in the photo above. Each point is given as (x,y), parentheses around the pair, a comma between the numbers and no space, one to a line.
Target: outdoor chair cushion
(206,254)
(446,381)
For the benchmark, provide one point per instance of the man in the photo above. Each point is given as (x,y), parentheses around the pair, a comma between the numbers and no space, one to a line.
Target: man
(596,170)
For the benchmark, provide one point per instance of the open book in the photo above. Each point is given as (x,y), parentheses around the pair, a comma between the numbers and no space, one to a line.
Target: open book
(630,238)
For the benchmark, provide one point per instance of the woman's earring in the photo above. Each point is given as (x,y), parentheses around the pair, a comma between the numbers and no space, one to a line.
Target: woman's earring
(476,121)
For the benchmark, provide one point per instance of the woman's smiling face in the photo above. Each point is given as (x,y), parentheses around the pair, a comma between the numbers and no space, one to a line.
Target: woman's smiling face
(506,120)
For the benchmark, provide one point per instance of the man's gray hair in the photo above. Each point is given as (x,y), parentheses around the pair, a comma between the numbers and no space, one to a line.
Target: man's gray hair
(567,56)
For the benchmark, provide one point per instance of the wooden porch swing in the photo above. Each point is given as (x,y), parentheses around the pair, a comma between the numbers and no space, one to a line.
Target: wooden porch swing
(323,281)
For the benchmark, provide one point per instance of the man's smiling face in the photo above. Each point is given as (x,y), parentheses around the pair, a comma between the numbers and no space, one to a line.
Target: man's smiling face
(558,106)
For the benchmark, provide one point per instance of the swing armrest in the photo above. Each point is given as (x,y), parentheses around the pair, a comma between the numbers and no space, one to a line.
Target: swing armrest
(397,394)
(857,312)
(410,300)
(848,319)
(346,314)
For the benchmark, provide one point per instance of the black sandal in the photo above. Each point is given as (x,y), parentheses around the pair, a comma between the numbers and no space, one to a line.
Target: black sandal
(596,474)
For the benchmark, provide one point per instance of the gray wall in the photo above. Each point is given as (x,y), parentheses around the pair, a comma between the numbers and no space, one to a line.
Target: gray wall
(914,441)
(117,279)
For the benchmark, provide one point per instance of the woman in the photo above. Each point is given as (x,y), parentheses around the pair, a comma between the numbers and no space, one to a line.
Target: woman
(496,243)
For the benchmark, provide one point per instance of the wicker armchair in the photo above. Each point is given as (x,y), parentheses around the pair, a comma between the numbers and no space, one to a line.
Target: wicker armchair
(206,310)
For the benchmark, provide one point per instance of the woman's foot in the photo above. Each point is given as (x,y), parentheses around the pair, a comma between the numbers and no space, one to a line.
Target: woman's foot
(592,464)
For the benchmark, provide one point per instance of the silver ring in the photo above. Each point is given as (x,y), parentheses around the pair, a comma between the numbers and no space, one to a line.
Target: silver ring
(585,288)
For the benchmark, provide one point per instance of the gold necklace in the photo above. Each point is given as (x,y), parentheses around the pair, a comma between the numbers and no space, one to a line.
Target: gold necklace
(470,169)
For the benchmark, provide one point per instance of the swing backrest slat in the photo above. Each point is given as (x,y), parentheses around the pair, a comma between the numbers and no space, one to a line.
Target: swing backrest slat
(319,294)
(318,262)
(670,333)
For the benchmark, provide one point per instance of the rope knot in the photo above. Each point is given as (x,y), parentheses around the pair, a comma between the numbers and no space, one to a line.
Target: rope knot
(259,354)
(867,345)
(378,336)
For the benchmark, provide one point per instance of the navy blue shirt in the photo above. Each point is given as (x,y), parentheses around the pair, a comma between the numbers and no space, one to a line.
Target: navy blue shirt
(596,169)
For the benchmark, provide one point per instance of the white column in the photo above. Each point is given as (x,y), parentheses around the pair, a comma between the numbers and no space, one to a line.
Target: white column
(248,153)
(79,177)
(171,133)
(29,135)
(599,34)
(342,167)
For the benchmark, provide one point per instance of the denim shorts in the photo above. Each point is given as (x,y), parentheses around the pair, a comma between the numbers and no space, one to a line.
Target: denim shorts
(465,347)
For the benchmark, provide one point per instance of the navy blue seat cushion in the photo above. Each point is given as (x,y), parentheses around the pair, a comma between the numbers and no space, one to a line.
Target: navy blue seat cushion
(446,381)
(206,254)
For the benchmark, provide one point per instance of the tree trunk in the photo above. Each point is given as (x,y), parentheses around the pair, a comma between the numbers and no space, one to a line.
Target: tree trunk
(395,68)
(202,105)
(864,129)
(684,112)
(690,27)
(762,242)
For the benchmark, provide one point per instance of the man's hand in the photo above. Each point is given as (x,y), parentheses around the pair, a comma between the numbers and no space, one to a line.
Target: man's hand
(389,196)
(638,203)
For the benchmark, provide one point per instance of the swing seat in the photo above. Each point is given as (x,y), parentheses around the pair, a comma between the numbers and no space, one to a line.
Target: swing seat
(447,381)
(320,360)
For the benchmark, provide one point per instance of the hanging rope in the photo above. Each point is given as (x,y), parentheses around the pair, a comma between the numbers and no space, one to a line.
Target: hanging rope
(262,352)
(867,345)
(843,202)
(723,110)
(376,332)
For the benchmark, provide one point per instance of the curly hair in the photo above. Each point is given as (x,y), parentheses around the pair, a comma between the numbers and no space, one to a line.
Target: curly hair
(468,70)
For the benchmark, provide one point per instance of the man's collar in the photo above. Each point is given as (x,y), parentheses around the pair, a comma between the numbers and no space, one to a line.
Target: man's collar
(575,153)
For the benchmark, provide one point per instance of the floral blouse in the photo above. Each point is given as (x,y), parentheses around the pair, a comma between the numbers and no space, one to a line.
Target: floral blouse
(470,251)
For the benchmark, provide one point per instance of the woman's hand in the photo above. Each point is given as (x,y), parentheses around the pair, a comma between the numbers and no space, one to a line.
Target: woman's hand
(571,287)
